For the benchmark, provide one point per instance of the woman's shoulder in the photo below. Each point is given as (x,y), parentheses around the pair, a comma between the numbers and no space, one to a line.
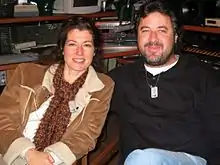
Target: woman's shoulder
(32,66)
(107,80)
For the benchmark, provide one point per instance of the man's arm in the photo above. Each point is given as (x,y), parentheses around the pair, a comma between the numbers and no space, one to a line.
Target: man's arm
(117,93)
(211,109)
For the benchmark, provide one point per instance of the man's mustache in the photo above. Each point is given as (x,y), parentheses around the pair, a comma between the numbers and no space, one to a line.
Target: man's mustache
(153,44)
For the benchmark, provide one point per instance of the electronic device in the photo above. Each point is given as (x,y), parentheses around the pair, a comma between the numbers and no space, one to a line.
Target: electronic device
(27,10)
(215,22)
(7,8)
(2,79)
(77,6)
(5,40)
(40,33)
(208,41)
(116,32)
(202,45)
(45,7)
(194,12)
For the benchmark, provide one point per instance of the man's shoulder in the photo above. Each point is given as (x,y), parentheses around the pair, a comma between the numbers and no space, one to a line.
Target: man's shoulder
(124,71)
(195,63)
(200,69)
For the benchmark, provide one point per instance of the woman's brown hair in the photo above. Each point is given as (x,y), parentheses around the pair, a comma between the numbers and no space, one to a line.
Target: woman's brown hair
(82,23)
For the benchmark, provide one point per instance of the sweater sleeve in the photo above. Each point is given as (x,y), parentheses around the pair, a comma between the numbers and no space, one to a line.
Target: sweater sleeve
(117,95)
(211,110)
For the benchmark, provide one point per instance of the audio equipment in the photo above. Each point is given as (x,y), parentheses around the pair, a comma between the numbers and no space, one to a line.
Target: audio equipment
(194,12)
(212,22)
(5,40)
(26,10)
(7,8)
(203,45)
(41,33)
(210,57)
(207,41)
(27,35)
(116,31)
(200,51)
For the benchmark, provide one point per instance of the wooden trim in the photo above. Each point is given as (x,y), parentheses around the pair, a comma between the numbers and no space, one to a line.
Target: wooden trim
(205,29)
(59,17)
(112,147)
(84,160)
(106,56)
(121,54)
(8,66)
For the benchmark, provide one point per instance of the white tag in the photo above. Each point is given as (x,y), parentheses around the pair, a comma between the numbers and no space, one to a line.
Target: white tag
(154,92)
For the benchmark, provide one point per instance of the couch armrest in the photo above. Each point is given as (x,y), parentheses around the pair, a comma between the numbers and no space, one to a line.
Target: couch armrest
(107,145)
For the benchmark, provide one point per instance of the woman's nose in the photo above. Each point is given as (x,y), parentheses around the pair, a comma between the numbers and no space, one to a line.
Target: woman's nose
(79,50)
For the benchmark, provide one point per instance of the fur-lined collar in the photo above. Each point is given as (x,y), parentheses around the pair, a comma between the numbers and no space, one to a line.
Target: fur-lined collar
(92,82)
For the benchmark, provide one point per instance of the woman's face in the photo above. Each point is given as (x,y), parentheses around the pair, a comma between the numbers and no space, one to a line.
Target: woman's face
(78,50)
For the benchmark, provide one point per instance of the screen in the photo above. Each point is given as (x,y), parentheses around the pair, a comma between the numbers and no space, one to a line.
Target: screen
(77,6)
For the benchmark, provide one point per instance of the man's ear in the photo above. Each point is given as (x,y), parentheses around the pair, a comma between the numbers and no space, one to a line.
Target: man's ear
(175,38)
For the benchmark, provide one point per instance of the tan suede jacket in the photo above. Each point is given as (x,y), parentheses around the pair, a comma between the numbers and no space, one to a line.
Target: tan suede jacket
(29,86)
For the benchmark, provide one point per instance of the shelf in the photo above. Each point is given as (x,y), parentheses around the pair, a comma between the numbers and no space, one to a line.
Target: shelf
(121,54)
(205,29)
(106,56)
(59,17)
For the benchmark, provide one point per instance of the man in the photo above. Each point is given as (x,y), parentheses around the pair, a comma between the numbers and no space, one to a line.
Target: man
(167,103)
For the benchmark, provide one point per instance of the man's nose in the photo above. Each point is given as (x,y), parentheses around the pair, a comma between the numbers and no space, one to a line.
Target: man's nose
(153,36)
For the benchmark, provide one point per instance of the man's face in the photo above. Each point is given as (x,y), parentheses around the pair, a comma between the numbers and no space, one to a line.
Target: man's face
(156,38)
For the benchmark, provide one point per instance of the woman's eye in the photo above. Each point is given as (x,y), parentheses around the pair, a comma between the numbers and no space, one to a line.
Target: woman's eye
(88,45)
(71,44)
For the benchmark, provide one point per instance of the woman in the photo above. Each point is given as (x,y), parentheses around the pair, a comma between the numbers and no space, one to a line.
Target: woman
(55,115)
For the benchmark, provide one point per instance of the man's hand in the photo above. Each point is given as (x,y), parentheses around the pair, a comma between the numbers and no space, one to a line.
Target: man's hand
(35,157)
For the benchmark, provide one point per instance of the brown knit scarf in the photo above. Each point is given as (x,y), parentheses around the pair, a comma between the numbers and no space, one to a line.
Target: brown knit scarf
(57,117)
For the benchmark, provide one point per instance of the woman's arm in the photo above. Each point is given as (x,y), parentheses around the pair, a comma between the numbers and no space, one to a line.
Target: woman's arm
(9,112)
(12,101)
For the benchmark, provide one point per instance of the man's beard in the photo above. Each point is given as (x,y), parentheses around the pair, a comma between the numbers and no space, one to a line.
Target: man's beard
(159,60)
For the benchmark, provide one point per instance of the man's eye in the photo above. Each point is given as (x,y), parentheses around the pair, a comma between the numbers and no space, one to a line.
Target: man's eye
(145,30)
(162,31)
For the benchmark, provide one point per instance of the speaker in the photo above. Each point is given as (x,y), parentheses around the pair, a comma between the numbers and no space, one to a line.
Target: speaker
(5,40)
(42,34)
(194,12)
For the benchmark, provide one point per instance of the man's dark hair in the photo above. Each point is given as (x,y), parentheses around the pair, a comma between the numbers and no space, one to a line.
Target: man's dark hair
(160,6)
(163,7)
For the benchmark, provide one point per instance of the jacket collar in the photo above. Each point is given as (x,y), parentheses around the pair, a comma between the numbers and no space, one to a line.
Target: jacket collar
(92,82)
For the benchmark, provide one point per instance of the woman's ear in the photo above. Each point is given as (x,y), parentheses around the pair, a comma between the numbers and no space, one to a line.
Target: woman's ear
(95,51)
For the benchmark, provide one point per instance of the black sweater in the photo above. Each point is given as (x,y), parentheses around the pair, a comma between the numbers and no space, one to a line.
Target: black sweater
(184,117)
